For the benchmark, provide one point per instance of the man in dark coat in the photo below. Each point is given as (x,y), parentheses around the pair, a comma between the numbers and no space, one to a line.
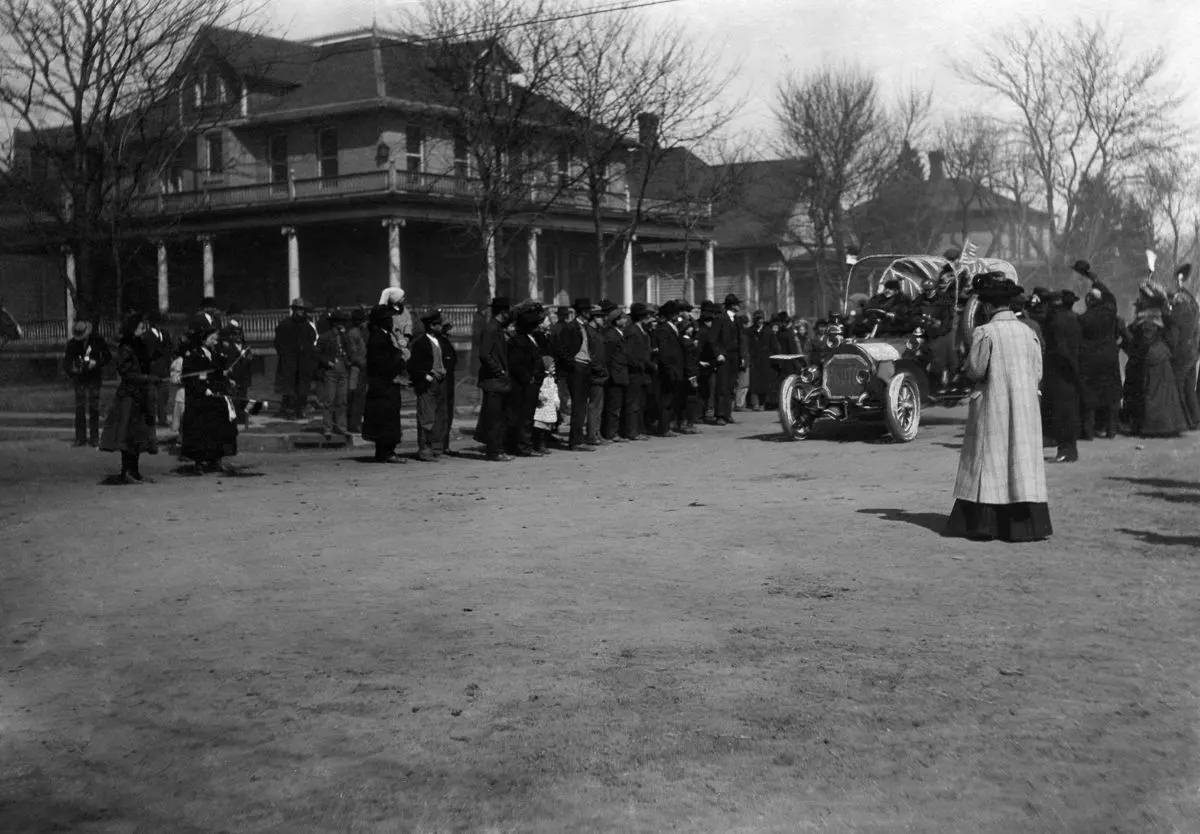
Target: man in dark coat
(296,349)
(760,346)
(385,367)
(893,310)
(616,387)
(84,359)
(668,350)
(576,344)
(1060,376)
(934,311)
(637,358)
(1182,335)
(706,372)
(427,372)
(526,370)
(1099,358)
(494,381)
(729,345)
(450,361)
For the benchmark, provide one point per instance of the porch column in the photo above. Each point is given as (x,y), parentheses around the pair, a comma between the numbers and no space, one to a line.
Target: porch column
(535,281)
(164,288)
(293,247)
(789,291)
(210,284)
(627,274)
(69,267)
(750,292)
(394,225)
(710,281)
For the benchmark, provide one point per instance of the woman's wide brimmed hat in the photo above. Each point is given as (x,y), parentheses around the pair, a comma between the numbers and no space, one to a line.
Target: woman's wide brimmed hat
(995,287)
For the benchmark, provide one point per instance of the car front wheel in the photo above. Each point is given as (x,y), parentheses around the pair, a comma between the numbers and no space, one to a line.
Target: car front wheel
(902,409)
(792,417)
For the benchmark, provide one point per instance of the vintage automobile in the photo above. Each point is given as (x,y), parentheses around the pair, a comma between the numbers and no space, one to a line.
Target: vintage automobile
(857,374)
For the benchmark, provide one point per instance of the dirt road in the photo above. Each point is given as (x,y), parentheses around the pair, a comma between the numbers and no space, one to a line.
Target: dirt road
(720,633)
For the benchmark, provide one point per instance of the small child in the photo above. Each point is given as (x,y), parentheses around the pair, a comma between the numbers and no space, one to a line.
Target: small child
(546,417)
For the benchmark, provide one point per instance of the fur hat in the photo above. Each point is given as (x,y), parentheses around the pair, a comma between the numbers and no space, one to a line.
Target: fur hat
(995,288)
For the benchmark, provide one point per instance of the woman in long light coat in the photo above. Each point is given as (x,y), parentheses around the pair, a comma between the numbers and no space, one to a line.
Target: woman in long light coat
(1000,492)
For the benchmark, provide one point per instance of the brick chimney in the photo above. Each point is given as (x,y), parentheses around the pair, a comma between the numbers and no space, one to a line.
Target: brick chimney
(937,166)
(648,130)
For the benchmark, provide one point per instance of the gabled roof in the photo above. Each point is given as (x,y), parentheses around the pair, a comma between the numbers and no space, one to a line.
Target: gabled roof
(762,202)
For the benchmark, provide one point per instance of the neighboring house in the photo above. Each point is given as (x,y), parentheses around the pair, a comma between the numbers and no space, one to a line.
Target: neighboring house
(758,223)
(335,170)
(941,212)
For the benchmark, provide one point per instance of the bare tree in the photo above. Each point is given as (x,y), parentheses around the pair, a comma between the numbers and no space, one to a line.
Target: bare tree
(95,91)
(498,59)
(1086,109)
(1169,188)
(834,120)
(637,95)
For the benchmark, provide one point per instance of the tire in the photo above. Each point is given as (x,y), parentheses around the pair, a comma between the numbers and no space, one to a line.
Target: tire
(902,408)
(971,312)
(794,423)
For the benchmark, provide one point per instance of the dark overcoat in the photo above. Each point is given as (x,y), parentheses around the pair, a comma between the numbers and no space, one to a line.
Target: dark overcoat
(1060,381)
(385,367)
(129,424)
(207,430)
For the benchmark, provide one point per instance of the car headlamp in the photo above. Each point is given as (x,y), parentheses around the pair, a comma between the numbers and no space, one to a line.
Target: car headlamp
(809,374)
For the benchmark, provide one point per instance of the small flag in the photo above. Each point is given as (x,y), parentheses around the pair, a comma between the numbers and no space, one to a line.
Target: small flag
(969,250)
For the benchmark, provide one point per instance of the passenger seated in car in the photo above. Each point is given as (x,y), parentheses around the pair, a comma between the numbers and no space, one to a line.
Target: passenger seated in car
(934,311)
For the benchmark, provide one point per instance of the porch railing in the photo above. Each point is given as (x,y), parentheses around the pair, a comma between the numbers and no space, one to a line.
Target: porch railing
(380,182)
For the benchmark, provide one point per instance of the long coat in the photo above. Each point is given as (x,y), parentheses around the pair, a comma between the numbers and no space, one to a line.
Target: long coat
(381,410)
(296,348)
(129,425)
(207,431)
(761,345)
(1182,332)
(1061,387)
(1099,359)
(1162,410)
(1001,459)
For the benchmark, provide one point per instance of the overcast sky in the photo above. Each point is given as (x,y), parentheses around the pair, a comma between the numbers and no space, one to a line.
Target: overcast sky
(905,41)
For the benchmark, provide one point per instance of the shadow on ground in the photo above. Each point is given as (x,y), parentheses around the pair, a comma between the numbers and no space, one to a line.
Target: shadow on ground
(1150,537)
(1161,483)
(1173,497)
(935,522)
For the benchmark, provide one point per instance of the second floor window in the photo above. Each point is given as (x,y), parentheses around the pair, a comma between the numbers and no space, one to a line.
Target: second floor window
(277,155)
(462,156)
(214,154)
(327,152)
(413,140)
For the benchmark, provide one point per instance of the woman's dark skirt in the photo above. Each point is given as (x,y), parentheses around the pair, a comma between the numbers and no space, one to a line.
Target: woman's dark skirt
(207,433)
(129,427)
(1018,522)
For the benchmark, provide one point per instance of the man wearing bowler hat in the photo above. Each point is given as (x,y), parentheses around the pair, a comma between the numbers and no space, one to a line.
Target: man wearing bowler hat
(667,349)
(637,357)
(427,371)
(296,349)
(728,345)
(576,345)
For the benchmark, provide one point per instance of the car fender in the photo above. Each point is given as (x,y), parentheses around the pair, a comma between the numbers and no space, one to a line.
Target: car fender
(913,367)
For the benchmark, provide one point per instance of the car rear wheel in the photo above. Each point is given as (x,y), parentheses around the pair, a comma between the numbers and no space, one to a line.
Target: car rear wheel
(902,409)
(795,423)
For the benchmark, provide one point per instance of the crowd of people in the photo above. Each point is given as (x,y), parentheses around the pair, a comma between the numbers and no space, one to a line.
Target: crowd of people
(586,375)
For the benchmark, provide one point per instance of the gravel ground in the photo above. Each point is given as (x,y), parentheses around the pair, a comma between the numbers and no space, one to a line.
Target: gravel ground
(718,633)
